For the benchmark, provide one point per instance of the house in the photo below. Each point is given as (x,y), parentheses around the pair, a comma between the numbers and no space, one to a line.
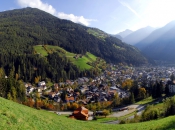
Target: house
(80,81)
(57,98)
(83,88)
(29,89)
(80,113)
(86,79)
(41,88)
(42,83)
(51,95)
(113,88)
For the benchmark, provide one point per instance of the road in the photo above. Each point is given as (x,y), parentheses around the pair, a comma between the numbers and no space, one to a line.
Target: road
(68,112)
(131,108)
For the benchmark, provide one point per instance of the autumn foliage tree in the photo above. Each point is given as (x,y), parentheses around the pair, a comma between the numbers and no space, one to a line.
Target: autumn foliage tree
(106,112)
(142,93)
(127,84)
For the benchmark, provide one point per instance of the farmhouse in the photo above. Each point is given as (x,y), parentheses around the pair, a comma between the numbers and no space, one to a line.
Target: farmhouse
(80,113)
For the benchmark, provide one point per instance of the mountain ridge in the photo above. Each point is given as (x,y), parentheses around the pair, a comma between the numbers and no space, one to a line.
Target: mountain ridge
(32,26)
(160,43)
(138,35)
(125,33)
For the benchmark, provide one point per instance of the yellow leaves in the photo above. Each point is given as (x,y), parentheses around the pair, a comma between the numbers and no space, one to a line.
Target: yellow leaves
(142,92)
(37,79)
(74,106)
(127,84)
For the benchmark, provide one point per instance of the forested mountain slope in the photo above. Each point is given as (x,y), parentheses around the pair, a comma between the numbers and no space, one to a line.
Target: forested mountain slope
(21,29)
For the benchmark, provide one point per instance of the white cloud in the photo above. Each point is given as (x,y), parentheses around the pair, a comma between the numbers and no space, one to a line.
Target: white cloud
(48,8)
(129,7)
(76,19)
(37,4)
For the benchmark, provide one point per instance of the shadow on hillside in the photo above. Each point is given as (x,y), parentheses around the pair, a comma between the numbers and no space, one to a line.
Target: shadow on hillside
(169,126)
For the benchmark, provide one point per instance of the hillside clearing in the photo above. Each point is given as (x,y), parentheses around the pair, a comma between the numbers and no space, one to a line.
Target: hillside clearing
(81,61)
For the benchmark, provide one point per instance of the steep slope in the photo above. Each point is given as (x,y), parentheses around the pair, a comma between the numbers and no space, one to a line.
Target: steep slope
(125,33)
(15,116)
(138,35)
(160,44)
(23,28)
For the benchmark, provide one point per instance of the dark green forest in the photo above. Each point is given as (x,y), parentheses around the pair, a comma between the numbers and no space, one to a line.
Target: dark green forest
(21,29)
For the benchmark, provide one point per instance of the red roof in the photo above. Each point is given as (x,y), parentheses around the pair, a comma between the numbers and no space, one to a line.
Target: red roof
(81,113)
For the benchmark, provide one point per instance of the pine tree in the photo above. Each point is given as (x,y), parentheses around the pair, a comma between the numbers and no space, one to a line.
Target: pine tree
(132,98)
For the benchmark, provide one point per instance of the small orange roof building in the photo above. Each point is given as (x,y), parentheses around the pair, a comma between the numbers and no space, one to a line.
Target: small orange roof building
(80,113)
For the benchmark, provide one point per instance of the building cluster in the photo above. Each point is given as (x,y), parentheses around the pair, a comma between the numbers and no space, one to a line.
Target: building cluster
(103,87)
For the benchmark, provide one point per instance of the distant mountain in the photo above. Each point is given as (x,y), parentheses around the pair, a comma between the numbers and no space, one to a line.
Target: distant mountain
(125,33)
(117,36)
(160,44)
(138,35)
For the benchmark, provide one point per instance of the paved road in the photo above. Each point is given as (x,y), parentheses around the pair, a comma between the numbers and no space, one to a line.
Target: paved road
(67,112)
(131,108)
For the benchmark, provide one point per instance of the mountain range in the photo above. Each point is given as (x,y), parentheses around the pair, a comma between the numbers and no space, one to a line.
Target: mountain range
(157,44)
(138,35)
(160,44)
(124,33)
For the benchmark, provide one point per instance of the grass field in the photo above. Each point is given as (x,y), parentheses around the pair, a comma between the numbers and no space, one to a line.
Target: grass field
(14,116)
(80,62)
(39,49)
(97,33)
(145,101)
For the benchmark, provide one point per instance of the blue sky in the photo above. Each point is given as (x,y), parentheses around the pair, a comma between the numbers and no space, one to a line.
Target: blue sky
(111,16)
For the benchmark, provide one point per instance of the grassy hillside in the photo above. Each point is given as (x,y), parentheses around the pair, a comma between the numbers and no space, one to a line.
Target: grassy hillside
(77,59)
(15,116)
(97,33)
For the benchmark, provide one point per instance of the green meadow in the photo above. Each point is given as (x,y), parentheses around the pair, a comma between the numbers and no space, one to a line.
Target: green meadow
(14,116)
(80,61)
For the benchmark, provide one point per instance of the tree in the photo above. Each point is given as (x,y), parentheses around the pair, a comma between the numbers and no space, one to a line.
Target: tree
(74,106)
(63,96)
(135,89)
(37,95)
(157,89)
(172,77)
(116,100)
(169,106)
(106,112)
(132,100)
(142,93)
(167,92)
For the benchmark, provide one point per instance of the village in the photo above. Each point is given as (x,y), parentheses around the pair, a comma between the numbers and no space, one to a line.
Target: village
(102,88)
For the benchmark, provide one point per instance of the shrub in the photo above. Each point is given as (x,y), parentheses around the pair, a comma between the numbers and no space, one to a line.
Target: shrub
(150,113)
(169,105)
(122,122)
